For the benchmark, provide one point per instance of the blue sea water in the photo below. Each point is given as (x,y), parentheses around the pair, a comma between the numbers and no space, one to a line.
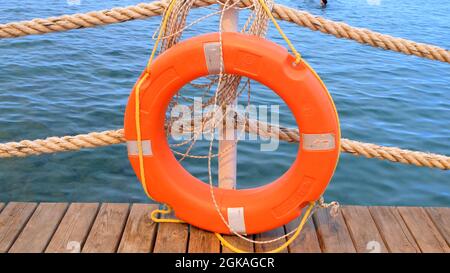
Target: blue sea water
(79,81)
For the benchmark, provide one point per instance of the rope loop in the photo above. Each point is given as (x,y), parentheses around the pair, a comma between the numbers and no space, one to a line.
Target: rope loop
(334,205)
(168,210)
(297,232)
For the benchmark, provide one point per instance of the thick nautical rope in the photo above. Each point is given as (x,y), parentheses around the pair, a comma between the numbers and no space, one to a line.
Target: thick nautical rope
(301,18)
(98,139)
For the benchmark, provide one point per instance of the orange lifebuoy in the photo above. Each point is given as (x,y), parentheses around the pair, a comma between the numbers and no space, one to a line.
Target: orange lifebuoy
(249,210)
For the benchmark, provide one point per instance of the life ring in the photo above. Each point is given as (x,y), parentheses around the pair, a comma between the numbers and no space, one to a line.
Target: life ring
(247,211)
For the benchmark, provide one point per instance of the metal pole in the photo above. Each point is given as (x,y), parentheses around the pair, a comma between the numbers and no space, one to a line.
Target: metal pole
(228,147)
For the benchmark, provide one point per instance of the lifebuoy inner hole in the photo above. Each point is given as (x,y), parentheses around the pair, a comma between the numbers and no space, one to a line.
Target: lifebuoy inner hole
(260,160)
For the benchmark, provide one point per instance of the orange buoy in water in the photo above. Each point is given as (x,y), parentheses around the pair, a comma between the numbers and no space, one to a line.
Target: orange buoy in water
(246,211)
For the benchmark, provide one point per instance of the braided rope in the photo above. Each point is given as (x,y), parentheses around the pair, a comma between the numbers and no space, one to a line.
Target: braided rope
(301,18)
(61,144)
(361,35)
(98,139)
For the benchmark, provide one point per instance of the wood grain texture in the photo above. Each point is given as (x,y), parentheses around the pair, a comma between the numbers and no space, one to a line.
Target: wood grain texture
(12,220)
(307,241)
(423,229)
(395,233)
(171,237)
(106,231)
(239,243)
(201,241)
(140,231)
(332,232)
(269,235)
(52,227)
(441,219)
(73,229)
(363,230)
(40,228)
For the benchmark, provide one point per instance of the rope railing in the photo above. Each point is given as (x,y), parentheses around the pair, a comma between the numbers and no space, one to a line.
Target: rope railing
(145,10)
(49,145)
(301,18)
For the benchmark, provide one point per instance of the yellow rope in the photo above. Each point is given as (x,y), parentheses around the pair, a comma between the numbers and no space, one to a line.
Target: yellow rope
(291,46)
(137,98)
(278,249)
(155,218)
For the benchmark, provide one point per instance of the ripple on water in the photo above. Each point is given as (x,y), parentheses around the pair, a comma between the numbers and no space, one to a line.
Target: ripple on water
(79,81)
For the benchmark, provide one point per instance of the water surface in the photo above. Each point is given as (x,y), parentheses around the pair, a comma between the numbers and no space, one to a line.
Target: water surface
(79,81)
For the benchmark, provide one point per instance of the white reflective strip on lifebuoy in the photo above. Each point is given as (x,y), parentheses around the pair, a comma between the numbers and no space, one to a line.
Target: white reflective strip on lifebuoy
(132,147)
(212,57)
(318,142)
(236,220)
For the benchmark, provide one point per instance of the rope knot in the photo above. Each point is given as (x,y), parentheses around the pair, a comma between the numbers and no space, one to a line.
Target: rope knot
(334,205)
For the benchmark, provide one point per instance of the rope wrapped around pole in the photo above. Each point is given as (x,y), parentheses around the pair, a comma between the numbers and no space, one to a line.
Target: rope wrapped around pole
(301,18)
(98,139)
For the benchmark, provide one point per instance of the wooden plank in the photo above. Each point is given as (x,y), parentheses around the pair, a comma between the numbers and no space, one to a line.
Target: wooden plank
(73,229)
(171,237)
(239,243)
(396,235)
(332,232)
(441,218)
(424,231)
(201,241)
(106,232)
(40,228)
(140,231)
(396,229)
(12,220)
(363,230)
(269,235)
(307,241)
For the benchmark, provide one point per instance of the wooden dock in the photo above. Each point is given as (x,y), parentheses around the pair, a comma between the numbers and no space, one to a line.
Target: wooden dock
(112,227)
